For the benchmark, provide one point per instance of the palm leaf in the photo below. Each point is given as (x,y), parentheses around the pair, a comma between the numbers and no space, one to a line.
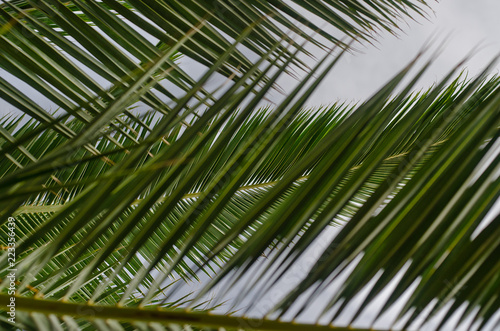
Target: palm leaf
(330,122)
(113,207)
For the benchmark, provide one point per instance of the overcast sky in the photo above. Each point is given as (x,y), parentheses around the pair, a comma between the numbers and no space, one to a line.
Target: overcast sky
(468,23)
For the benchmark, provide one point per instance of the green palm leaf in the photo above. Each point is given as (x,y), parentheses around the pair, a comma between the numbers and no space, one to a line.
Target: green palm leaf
(117,212)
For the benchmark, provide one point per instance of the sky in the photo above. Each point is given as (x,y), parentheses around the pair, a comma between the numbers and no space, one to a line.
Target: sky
(462,24)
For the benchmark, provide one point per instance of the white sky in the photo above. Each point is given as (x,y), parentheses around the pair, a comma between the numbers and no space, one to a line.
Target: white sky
(467,23)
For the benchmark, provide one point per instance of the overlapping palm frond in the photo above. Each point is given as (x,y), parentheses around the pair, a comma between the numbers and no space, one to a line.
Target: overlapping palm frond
(117,211)
(421,128)
(82,55)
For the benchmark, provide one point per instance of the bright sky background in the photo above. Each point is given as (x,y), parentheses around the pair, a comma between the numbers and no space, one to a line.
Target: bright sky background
(467,23)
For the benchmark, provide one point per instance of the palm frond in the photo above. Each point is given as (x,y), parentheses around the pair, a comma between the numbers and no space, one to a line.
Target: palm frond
(117,211)
(425,126)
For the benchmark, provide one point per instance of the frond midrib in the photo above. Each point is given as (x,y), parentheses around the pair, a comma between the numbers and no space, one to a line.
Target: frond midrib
(56,207)
(182,317)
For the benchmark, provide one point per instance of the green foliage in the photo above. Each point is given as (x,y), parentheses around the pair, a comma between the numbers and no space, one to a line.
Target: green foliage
(145,180)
